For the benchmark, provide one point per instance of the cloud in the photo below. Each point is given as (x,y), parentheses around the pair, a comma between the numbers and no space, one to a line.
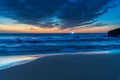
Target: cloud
(50,13)
(99,24)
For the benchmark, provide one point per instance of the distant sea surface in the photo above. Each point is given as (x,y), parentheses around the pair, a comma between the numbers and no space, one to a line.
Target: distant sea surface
(23,44)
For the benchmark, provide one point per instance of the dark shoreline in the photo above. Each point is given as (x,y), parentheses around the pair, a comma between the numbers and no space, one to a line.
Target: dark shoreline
(67,67)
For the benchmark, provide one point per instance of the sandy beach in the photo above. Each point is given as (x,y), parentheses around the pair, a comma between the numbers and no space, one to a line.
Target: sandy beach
(67,67)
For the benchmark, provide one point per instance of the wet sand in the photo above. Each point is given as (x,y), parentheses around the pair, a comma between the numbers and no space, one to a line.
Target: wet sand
(67,67)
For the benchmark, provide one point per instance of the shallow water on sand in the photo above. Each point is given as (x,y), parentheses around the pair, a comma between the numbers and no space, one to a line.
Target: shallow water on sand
(11,61)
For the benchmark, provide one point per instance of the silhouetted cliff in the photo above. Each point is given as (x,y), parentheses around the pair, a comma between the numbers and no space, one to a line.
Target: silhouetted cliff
(114,33)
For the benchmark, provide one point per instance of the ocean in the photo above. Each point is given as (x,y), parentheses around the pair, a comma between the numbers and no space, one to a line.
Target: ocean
(28,43)
(59,57)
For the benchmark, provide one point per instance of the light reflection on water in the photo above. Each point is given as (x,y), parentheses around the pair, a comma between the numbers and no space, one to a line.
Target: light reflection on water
(10,61)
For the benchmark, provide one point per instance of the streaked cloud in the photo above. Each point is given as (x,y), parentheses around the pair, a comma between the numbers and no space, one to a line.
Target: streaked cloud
(51,13)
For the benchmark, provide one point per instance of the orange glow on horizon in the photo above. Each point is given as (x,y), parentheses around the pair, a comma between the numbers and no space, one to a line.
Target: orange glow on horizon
(20,28)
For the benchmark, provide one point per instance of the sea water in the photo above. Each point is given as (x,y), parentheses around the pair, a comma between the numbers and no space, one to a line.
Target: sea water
(27,44)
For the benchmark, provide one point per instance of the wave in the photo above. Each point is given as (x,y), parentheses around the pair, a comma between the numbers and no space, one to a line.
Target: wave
(53,39)
(25,44)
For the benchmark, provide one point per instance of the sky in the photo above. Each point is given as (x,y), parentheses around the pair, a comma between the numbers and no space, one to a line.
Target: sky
(59,16)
